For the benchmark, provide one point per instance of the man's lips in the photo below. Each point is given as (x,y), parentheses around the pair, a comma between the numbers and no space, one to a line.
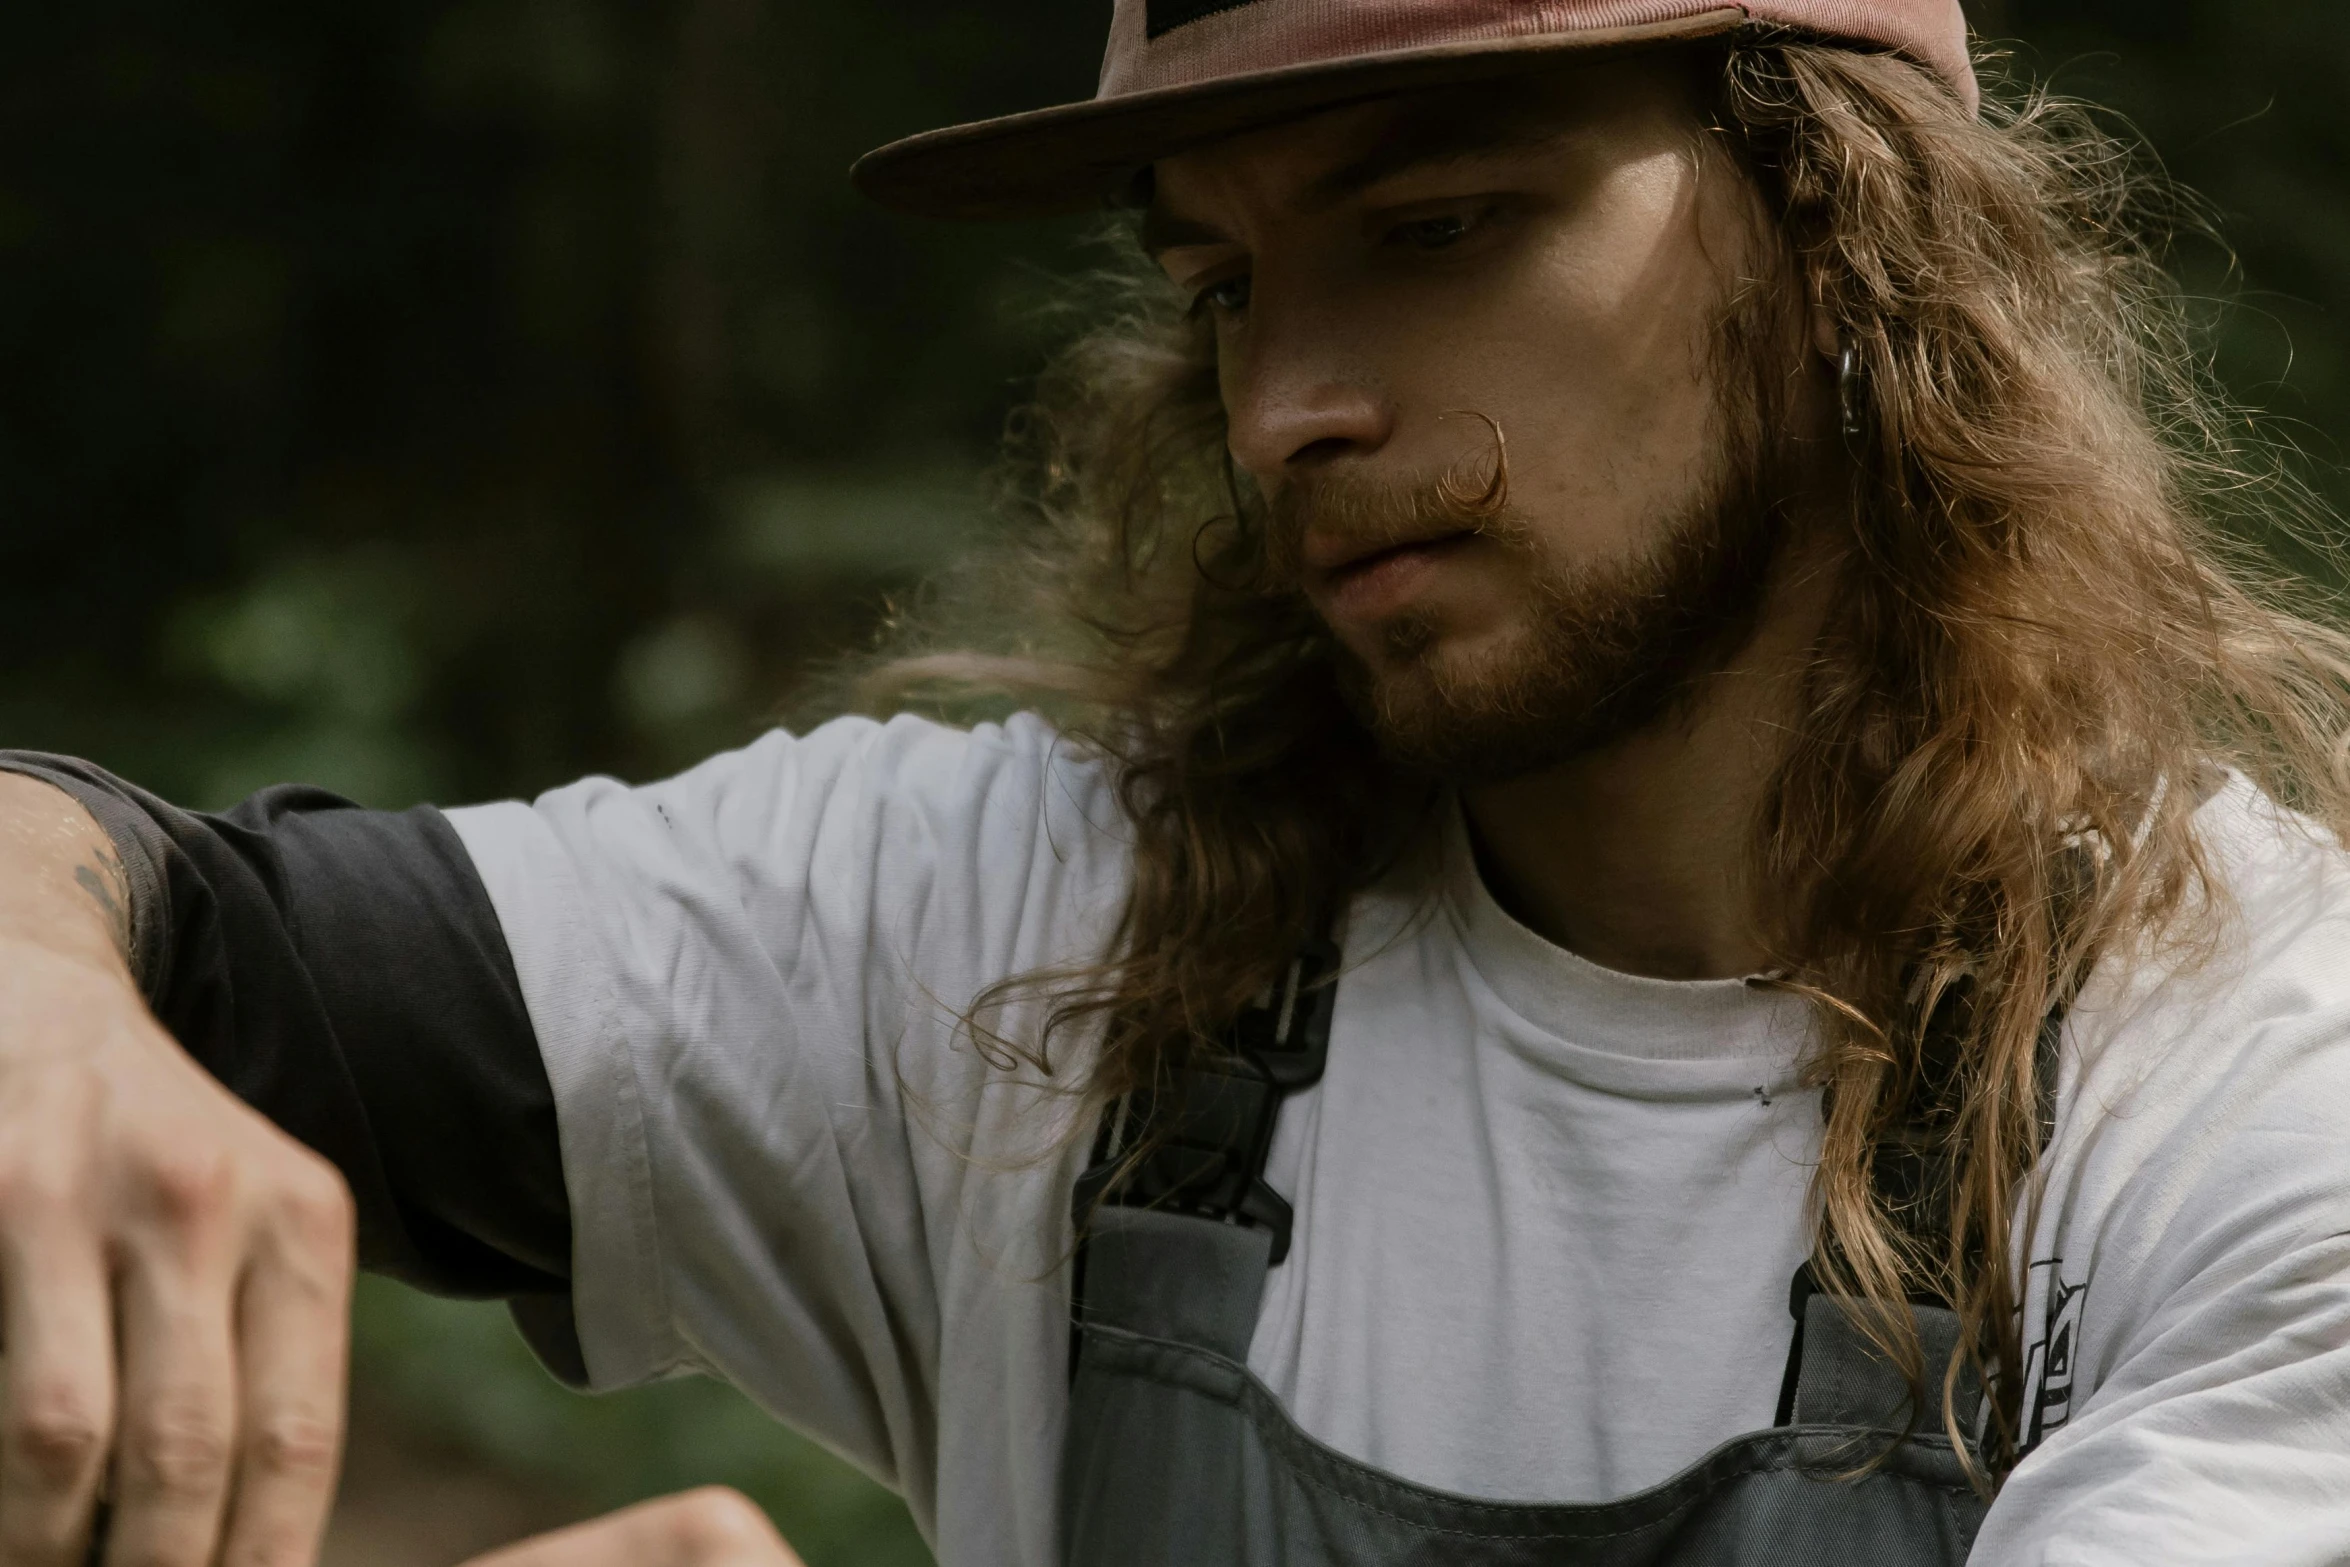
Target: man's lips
(1332,558)
(1371,584)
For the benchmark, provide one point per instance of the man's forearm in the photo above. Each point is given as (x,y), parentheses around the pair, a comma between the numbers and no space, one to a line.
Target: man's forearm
(176,1269)
(62,883)
(342,971)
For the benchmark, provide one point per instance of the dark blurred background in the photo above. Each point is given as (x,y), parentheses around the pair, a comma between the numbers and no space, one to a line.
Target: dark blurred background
(443,399)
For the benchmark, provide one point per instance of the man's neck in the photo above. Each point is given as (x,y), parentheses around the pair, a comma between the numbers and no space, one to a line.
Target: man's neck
(1635,856)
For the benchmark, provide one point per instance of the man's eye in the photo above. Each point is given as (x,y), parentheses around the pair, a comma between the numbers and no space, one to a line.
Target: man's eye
(1230,296)
(1434,233)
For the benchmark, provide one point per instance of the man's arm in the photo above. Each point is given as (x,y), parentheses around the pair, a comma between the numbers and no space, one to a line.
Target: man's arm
(138,1198)
(342,972)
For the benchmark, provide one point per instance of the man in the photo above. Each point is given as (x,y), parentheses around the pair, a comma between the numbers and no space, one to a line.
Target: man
(1643,710)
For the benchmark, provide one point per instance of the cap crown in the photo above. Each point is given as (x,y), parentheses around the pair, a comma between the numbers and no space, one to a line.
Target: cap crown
(1157,44)
(1178,73)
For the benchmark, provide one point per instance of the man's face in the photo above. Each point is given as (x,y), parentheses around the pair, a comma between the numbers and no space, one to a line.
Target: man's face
(1401,288)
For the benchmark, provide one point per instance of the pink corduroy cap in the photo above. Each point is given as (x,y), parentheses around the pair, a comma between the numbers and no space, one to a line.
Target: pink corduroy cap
(1180,73)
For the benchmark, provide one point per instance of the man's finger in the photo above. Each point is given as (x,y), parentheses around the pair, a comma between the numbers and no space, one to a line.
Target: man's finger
(178,1423)
(712,1527)
(59,1387)
(293,1318)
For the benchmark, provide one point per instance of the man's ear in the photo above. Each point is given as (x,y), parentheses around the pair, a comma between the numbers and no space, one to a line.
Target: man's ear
(1825,335)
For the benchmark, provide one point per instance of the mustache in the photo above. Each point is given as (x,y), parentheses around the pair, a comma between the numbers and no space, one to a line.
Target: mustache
(1367,514)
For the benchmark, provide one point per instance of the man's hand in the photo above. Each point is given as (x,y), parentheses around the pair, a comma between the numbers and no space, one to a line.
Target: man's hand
(174,1271)
(712,1527)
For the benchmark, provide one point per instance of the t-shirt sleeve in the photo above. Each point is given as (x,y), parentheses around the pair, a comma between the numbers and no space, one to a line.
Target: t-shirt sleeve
(2220,1431)
(2188,1315)
(792,1158)
(343,972)
(2221,1434)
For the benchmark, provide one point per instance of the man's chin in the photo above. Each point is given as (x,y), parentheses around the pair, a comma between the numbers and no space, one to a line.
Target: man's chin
(1465,721)
(1427,645)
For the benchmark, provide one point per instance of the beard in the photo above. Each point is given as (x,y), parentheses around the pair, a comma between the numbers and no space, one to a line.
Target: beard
(1607,649)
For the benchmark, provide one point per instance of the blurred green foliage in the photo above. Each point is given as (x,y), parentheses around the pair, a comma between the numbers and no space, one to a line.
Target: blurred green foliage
(404,394)
(440,399)
(462,1378)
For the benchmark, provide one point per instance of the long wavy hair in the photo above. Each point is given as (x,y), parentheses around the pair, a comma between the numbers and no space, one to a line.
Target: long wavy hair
(2042,638)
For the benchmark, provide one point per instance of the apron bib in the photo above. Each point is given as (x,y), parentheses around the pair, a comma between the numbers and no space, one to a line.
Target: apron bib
(1176,1456)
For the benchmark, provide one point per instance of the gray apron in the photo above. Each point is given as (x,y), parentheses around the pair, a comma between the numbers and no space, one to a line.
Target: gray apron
(1176,1456)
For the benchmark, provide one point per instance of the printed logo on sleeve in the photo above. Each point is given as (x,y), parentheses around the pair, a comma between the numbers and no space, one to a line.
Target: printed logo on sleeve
(2048,1366)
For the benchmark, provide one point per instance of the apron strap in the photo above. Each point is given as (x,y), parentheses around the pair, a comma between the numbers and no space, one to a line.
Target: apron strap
(1836,1377)
(1831,1366)
(1203,1135)
(1171,1276)
(1209,1126)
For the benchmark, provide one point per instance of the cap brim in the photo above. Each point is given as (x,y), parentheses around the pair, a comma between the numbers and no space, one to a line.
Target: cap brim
(1077,155)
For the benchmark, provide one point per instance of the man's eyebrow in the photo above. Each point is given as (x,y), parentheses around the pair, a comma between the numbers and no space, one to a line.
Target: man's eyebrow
(1162,231)
(1414,144)
(1410,144)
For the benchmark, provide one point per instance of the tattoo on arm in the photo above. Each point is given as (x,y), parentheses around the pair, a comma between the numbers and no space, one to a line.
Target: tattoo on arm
(103,879)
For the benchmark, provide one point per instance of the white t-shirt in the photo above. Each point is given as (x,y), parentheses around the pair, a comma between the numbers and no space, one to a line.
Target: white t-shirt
(1546,1212)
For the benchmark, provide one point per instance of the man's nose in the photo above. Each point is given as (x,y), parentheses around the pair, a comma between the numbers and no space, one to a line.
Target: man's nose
(1296,399)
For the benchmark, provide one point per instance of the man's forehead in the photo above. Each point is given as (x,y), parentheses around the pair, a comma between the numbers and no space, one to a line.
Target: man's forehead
(1321,160)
